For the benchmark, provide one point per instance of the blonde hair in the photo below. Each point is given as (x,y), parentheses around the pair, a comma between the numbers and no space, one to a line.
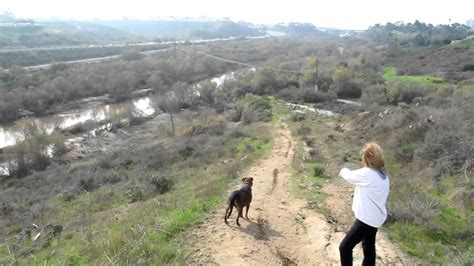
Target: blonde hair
(372,156)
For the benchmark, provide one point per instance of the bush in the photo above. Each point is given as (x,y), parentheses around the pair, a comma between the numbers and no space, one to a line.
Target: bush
(375,94)
(312,96)
(297,117)
(135,193)
(319,171)
(206,124)
(405,92)
(468,67)
(255,108)
(161,184)
(345,84)
(415,206)
(87,183)
(303,130)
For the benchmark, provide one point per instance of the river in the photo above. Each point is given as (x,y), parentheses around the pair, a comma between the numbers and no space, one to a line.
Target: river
(10,133)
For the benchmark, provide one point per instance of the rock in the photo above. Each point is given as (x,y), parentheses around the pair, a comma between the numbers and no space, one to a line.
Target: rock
(24,113)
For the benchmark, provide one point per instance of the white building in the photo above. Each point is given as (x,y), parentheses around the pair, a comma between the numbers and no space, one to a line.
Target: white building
(470,22)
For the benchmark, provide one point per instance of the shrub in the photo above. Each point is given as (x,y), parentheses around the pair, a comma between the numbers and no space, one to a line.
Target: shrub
(135,193)
(232,168)
(448,145)
(303,130)
(87,183)
(210,125)
(405,92)
(297,117)
(319,170)
(58,146)
(161,184)
(310,95)
(376,94)
(255,108)
(345,84)
(468,67)
(415,206)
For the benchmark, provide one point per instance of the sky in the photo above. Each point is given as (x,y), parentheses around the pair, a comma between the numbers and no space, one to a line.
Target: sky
(347,14)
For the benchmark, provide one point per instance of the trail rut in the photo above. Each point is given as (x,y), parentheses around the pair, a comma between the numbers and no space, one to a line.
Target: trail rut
(282,229)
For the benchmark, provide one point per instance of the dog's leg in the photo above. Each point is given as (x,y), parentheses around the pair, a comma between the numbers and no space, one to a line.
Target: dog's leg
(226,215)
(240,209)
(231,207)
(247,211)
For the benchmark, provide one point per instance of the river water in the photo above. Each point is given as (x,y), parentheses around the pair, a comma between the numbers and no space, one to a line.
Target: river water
(10,133)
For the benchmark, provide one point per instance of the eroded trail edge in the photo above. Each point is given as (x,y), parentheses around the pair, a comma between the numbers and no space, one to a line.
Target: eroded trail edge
(281,230)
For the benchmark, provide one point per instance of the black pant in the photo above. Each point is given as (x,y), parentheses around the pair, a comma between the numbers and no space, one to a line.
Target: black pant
(359,232)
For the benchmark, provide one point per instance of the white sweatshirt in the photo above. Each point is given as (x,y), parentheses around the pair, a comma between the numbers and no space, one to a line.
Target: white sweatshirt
(370,194)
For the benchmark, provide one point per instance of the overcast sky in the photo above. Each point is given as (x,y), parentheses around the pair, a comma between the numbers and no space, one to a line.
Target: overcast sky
(348,14)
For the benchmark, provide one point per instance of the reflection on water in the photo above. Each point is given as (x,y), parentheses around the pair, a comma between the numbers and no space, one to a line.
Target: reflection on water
(301,108)
(220,80)
(9,134)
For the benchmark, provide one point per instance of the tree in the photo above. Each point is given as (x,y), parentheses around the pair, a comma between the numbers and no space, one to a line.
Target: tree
(170,104)
(345,85)
(266,80)
(131,54)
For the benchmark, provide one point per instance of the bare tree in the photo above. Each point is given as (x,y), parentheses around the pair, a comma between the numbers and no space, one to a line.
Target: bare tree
(171,104)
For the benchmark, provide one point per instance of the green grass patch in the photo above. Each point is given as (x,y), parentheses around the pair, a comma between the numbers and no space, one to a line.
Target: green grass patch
(418,241)
(248,145)
(466,44)
(428,225)
(390,74)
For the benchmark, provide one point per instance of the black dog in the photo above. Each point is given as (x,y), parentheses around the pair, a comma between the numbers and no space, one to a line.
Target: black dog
(240,198)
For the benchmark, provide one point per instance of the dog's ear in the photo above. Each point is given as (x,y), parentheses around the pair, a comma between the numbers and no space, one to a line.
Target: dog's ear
(251,179)
(243,179)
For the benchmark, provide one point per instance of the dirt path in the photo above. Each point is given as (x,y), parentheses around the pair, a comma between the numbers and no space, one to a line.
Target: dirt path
(282,230)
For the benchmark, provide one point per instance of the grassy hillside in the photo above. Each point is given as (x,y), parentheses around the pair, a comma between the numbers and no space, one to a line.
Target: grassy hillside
(131,203)
(184,28)
(390,74)
(454,61)
(44,34)
(33,36)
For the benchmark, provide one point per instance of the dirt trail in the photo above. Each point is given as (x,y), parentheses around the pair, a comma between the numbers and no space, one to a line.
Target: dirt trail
(282,230)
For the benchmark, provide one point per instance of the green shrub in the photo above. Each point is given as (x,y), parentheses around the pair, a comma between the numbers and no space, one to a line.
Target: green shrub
(405,92)
(255,108)
(319,170)
(161,184)
(135,193)
(297,117)
(468,67)
(303,130)
(345,84)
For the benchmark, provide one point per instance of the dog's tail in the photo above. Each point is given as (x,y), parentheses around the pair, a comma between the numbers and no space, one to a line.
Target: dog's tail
(229,209)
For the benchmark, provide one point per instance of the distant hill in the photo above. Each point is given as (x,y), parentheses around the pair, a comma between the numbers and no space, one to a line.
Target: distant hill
(89,32)
(16,33)
(417,33)
(185,28)
(295,28)
(454,62)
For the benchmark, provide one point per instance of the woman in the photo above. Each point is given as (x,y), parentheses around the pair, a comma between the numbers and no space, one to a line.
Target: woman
(370,194)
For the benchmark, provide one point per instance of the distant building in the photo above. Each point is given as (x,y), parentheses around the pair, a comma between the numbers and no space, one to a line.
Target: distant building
(470,22)
(18,24)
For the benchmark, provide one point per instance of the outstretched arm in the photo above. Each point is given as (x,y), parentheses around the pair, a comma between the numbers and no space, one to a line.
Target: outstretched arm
(354,177)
